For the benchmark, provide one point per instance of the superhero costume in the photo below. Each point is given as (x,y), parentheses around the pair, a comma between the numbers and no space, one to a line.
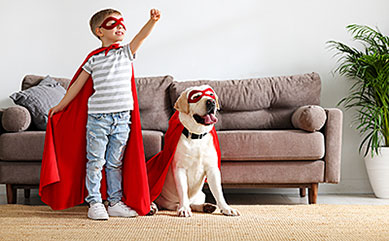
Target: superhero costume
(62,181)
(116,22)
(158,166)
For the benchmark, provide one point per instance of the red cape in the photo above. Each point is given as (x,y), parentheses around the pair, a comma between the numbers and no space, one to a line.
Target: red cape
(63,171)
(158,166)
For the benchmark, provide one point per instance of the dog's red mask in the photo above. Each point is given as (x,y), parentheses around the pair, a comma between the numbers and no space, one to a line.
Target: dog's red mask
(116,23)
(195,95)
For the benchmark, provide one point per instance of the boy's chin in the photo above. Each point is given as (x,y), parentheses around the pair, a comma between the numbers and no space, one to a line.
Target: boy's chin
(118,39)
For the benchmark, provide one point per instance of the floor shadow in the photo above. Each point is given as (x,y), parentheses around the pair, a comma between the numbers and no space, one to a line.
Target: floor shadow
(257,199)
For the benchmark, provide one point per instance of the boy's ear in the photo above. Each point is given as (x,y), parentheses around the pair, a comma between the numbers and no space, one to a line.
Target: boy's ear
(99,32)
(182,104)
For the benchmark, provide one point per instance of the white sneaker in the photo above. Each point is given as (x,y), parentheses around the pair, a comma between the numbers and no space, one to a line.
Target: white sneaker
(121,210)
(97,211)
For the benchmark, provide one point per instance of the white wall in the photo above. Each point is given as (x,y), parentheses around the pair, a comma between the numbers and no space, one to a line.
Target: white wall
(201,39)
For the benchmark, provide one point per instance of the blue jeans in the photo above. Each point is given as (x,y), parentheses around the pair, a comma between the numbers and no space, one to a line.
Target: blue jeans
(106,137)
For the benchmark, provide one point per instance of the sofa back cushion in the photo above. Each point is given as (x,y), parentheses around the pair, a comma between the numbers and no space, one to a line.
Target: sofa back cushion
(153,95)
(154,102)
(258,103)
(39,99)
(33,80)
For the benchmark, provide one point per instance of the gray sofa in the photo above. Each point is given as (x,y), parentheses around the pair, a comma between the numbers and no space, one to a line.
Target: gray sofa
(259,131)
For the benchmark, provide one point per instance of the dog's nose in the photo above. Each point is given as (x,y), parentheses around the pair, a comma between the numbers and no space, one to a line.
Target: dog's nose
(210,104)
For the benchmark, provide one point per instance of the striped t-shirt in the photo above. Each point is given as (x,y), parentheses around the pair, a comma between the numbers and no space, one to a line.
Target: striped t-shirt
(111,77)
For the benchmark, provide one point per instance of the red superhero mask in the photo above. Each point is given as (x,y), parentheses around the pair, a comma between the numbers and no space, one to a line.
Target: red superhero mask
(196,95)
(116,23)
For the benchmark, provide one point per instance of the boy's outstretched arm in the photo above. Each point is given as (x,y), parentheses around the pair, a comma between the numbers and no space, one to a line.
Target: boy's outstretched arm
(71,93)
(145,31)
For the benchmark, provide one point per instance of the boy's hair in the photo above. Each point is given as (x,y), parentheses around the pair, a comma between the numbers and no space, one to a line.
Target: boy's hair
(98,18)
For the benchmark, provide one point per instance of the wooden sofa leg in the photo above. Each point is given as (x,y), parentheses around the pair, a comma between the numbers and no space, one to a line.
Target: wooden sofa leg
(11,194)
(312,193)
(303,192)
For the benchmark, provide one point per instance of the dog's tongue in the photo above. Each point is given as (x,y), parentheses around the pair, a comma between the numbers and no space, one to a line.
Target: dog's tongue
(210,119)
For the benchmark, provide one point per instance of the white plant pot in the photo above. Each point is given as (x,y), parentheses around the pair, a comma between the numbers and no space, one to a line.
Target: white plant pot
(378,171)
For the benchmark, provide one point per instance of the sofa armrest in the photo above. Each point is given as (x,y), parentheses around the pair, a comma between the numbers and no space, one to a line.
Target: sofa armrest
(333,144)
(1,125)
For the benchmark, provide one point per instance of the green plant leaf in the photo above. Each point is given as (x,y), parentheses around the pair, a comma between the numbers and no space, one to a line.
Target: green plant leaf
(368,69)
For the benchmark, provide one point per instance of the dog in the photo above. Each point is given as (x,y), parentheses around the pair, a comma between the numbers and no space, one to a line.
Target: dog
(196,158)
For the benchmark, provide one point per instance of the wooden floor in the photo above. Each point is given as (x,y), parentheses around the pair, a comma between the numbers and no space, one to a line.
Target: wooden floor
(237,198)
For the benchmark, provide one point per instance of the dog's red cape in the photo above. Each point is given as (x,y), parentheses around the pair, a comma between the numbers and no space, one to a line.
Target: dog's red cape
(62,181)
(158,166)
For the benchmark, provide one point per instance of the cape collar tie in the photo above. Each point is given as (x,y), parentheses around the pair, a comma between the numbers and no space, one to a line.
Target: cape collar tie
(112,46)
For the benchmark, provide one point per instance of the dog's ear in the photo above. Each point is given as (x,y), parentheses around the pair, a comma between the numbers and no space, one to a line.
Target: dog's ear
(217,102)
(216,98)
(182,104)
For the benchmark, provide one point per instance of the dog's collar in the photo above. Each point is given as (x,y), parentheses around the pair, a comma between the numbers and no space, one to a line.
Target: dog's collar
(192,135)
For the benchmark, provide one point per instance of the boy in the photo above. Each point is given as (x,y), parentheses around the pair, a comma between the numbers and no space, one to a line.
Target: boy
(109,110)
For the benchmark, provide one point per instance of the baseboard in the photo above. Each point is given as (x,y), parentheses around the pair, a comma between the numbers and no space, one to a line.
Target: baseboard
(350,186)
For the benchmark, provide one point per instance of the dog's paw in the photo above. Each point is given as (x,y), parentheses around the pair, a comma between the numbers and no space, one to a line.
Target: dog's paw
(184,212)
(153,209)
(209,208)
(228,211)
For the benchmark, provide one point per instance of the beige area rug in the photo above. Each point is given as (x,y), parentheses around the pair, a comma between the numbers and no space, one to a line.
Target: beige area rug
(258,222)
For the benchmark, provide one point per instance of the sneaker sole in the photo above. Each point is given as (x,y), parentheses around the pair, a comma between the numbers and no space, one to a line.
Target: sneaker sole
(98,219)
(123,216)
(118,215)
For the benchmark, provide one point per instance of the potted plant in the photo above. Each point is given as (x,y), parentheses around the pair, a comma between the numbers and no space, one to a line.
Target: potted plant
(368,69)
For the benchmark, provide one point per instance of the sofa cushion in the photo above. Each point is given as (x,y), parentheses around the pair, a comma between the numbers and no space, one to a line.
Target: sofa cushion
(22,146)
(268,145)
(28,145)
(33,80)
(153,95)
(273,172)
(255,120)
(16,118)
(154,102)
(1,124)
(152,142)
(273,99)
(39,99)
(309,118)
(24,173)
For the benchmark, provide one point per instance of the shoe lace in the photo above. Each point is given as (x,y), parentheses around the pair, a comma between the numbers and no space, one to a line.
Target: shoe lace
(99,208)
(124,206)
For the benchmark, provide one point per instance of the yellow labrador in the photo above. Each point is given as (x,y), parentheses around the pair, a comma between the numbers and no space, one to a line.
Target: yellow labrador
(195,158)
